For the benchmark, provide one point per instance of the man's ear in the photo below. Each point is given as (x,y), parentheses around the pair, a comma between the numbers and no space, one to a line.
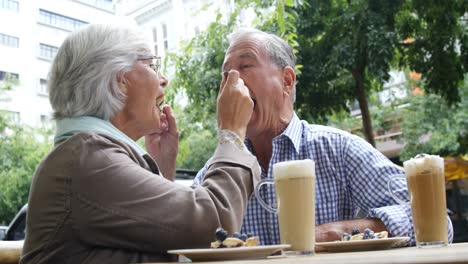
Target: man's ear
(289,79)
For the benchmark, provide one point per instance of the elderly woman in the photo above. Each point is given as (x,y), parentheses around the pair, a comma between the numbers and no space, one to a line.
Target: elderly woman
(98,197)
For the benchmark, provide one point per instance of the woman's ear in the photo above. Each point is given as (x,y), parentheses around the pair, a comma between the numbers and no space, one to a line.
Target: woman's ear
(122,84)
(289,79)
(123,87)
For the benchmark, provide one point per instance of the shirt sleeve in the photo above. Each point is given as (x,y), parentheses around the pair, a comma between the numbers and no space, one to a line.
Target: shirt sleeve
(201,174)
(368,172)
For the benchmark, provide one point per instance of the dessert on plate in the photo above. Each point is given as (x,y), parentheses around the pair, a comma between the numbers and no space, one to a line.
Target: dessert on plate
(223,240)
(366,235)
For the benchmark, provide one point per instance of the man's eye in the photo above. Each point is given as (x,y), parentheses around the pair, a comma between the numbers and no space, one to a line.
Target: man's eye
(244,66)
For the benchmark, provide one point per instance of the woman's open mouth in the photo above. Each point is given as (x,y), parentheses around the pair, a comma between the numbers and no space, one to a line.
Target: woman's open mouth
(159,102)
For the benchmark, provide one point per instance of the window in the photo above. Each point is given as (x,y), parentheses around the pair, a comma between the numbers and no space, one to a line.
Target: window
(164,30)
(11,115)
(60,21)
(9,41)
(155,35)
(104,4)
(42,87)
(10,5)
(47,52)
(155,39)
(46,119)
(9,76)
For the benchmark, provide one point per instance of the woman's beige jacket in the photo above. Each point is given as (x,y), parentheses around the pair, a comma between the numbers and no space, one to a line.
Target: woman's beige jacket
(93,199)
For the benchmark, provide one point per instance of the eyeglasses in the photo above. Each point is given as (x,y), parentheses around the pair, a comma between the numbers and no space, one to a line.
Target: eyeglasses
(155,64)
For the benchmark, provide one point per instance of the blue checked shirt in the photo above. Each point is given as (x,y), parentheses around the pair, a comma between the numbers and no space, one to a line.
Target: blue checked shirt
(351,175)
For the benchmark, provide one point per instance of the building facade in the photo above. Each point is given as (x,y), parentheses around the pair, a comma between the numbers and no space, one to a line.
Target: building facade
(168,22)
(31,31)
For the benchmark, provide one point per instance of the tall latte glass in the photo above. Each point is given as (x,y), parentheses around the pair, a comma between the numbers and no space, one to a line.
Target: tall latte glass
(426,185)
(295,194)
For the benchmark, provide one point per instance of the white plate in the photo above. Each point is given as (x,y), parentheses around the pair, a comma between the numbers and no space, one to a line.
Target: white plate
(210,254)
(362,245)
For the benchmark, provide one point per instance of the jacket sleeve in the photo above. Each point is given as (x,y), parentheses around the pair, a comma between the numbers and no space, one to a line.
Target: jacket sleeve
(117,203)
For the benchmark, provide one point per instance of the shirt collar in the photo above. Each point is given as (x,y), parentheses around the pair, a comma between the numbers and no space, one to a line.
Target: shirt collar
(294,132)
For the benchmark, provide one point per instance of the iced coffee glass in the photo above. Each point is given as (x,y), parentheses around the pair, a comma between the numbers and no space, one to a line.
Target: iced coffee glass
(426,187)
(295,194)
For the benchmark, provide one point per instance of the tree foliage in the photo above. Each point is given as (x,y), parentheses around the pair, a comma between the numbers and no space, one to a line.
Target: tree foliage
(431,126)
(347,49)
(440,44)
(428,123)
(197,75)
(21,149)
(197,67)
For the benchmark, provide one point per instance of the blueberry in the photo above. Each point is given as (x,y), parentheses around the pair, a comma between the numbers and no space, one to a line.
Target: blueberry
(236,235)
(355,231)
(368,234)
(249,234)
(345,237)
(221,234)
(243,237)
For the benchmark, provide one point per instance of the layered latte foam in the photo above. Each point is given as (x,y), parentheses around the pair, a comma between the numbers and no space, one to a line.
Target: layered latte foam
(423,163)
(426,186)
(294,169)
(295,195)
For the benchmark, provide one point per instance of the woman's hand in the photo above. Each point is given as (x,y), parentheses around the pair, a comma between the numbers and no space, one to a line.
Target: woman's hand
(164,146)
(234,106)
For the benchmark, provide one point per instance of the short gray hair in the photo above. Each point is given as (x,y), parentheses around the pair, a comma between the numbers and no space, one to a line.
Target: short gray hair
(83,76)
(277,49)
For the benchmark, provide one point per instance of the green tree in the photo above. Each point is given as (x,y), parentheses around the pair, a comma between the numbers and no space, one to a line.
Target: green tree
(428,123)
(197,68)
(197,75)
(21,149)
(347,49)
(431,126)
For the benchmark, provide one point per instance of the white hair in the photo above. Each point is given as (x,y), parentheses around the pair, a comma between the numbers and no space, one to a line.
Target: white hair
(277,49)
(83,76)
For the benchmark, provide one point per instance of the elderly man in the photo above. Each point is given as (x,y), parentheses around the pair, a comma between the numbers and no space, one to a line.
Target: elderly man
(351,175)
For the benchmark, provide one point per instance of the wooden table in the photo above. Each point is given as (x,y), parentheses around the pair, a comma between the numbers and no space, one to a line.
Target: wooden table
(10,251)
(454,253)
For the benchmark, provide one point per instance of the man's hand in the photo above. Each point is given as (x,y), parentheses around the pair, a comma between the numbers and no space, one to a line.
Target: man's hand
(164,146)
(234,105)
(332,231)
